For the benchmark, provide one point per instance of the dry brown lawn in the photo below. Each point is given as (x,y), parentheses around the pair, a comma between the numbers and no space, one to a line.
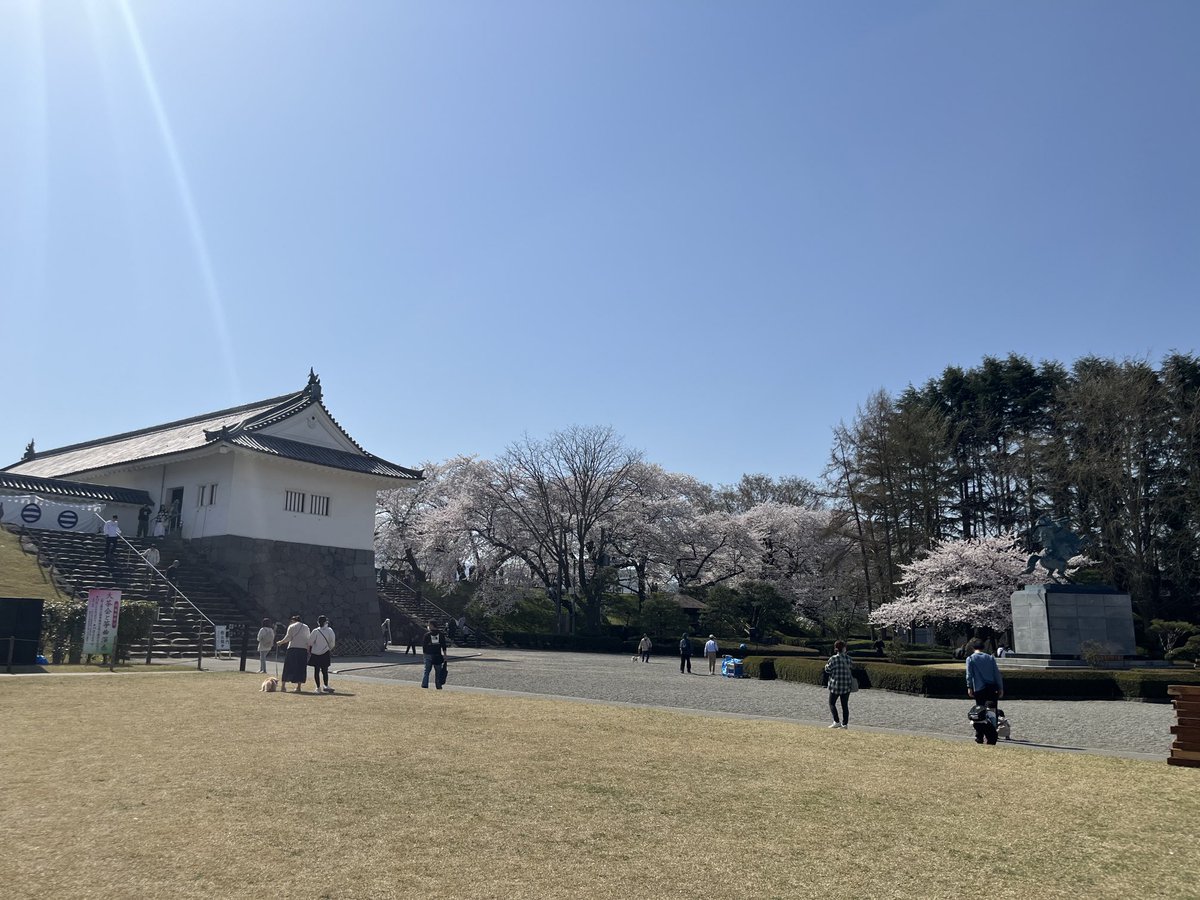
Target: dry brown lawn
(197,785)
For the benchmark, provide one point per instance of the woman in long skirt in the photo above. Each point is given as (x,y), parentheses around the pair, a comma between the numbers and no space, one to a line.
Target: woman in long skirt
(295,664)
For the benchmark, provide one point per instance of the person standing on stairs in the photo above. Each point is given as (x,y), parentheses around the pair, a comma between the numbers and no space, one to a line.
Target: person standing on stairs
(144,521)
(112,531)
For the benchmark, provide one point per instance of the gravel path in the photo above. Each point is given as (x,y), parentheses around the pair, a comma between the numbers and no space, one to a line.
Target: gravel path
(1124,728)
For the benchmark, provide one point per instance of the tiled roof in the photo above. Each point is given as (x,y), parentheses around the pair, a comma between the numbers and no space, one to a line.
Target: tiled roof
(239,425)
(54,487)
(134,446)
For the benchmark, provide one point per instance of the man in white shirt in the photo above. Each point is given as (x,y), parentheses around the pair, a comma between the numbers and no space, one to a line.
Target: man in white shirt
(320,649)
(112,531)
(710,651)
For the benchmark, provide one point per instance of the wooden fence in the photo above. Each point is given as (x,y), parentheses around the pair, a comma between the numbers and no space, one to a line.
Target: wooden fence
(1185,750)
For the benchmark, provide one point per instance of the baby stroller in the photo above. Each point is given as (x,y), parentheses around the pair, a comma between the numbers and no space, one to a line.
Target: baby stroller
(982,716)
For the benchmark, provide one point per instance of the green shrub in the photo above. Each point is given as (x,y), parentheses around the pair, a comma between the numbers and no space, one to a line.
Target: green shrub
(580,643)
(1135,684)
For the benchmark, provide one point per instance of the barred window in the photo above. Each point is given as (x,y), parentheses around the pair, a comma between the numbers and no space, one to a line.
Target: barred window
(318,505)
(206,494)
(293,501)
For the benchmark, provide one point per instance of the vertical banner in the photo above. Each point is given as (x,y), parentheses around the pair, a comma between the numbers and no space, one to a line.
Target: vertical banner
(100,630)
(221,638)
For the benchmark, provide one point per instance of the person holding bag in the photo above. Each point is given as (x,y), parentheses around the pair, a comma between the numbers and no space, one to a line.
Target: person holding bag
(320,647)
(434,648)
(840,683)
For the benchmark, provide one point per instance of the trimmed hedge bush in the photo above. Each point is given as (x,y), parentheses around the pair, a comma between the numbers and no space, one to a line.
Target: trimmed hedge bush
(579,643)
(1091,684)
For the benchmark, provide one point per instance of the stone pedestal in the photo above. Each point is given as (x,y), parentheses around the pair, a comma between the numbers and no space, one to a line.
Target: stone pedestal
(1055,620)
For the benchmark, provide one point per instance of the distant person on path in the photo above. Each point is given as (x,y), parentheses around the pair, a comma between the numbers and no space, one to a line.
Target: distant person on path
(644,646)
(176,516)
(112,531)
(151,555)
(321,642)
(410,632)
(986,686)
(160,523)
(295,663)
(434,647)
(685,654)
(385,629)
(710,653)
(266,640)
(143,522)
(841,683)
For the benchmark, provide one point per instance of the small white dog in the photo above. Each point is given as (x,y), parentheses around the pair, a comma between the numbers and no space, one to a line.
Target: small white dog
(270,686)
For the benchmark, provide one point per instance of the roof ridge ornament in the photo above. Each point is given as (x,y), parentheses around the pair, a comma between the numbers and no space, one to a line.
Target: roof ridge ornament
(313,388)
(217,434)
(30,453)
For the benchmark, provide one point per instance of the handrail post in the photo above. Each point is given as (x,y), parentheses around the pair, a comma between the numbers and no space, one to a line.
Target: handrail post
(12,644)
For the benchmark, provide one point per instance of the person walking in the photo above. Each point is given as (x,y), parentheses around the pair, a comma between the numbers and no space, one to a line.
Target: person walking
(685,654)
(295,663)
(710,653)
(266,640)
(840,684)
(434,647)
(644,646)
(321,642)
(986,686)
(410,630)
(112,531)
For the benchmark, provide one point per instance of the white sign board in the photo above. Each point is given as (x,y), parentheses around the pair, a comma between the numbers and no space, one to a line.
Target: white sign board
(222,638)
(100,630)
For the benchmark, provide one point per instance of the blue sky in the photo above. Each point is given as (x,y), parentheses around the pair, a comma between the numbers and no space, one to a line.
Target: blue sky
(716,227)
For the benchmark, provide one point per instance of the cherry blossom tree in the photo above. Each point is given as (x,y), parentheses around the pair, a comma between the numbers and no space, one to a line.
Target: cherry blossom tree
(959,583)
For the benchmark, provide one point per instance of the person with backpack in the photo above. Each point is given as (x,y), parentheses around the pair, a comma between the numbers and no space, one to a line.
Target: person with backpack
(986,686)
(685,654)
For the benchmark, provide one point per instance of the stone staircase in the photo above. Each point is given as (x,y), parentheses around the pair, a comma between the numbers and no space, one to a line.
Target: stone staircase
(77,563)
(400,602)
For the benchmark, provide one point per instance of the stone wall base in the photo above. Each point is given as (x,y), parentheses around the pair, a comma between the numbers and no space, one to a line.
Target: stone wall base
(285,578)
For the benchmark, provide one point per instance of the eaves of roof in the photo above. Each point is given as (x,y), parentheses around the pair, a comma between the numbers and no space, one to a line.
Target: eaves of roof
(76,490)
(324,456)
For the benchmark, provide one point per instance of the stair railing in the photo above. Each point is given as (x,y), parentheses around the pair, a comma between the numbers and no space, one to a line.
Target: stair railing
(174,587)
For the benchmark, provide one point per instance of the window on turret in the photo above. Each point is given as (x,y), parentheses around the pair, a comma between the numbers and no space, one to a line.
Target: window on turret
(293,501)
(319,505)
(206,494)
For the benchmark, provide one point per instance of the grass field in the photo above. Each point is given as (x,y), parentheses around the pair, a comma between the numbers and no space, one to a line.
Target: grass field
(20,575)
(197,785)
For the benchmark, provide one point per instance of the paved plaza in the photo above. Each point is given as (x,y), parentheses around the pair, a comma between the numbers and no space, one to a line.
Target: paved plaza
(1120,728)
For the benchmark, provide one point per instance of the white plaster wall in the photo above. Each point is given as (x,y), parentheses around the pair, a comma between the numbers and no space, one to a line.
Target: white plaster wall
(260,483)
(312,427)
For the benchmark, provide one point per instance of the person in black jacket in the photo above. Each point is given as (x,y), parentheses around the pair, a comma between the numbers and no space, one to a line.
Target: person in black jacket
(434,647)
(685,654)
